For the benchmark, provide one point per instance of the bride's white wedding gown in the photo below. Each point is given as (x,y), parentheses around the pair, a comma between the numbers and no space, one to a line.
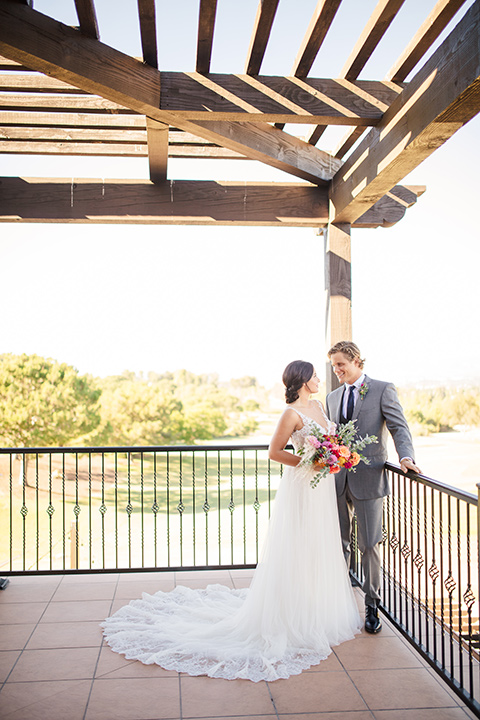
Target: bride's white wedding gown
(299,605)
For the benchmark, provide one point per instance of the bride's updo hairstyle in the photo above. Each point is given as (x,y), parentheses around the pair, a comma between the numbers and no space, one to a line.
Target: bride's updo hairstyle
(295,375)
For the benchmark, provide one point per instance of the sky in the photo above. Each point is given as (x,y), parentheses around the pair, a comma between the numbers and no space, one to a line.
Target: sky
(246,301)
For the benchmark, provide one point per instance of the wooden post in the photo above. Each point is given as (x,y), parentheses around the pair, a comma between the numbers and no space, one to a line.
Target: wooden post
(338,290)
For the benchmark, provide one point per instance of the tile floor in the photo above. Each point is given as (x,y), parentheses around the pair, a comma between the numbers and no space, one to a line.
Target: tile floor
(54,665)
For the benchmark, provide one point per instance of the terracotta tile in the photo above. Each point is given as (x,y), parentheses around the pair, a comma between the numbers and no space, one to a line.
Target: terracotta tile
(19,593)
(310,692)
(84,591)
(92,578)
(65,635)
(26,613)
(421,714)
(41,700)
(208,697)
(118,603)
(242,583)
(8,658)
(386,652)
(35,580)
(135,589)
(201,584)
(147,577)
(55,664)
(211,576)
(395,689)
(78,610)
(115,665)
(331,664)
(14,637)
(354,715)
(134,699)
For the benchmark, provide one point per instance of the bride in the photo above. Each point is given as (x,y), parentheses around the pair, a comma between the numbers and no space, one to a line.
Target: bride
(300,602)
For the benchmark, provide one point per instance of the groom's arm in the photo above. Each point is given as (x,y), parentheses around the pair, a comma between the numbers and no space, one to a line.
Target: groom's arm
(397,424)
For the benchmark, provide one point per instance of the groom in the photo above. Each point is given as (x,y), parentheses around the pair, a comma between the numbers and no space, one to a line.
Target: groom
(375,407)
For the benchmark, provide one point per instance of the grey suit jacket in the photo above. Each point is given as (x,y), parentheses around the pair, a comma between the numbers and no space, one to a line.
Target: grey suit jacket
(376,413)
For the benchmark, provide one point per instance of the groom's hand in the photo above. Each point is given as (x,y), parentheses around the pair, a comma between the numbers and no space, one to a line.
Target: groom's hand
(407,464)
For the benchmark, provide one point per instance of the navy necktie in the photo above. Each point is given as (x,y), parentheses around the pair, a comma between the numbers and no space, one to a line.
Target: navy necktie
(350,403)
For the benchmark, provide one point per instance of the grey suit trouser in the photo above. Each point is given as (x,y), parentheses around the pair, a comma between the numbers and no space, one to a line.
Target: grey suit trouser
(369,530)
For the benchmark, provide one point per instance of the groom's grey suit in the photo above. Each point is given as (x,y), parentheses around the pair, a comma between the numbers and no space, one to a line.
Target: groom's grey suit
(376,413)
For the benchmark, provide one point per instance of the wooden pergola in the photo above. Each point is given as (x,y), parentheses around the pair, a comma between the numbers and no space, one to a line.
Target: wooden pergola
(64,92)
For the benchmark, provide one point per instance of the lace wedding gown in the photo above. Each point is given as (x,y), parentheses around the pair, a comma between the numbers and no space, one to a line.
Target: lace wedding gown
(299,605)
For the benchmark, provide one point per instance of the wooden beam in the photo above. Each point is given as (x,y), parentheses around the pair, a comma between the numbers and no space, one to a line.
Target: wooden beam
(262,27)
(373,32)
(157,134)
(348,141)
(322,18)
(338,287)
(111,149)
(40,42)
(126,121)
(429,31)
(87,18)
(65,103)
(148,31)
(227,97)
(441,98)
(206,27)
(275,99)
(171,203)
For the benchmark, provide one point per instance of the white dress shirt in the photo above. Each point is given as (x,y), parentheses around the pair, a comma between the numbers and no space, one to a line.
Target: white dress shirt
(356,393)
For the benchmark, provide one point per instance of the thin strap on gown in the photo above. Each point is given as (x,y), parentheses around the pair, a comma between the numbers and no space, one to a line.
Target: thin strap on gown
(329,425)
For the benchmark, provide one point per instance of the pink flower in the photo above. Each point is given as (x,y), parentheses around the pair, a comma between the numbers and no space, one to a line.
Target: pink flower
(313,441)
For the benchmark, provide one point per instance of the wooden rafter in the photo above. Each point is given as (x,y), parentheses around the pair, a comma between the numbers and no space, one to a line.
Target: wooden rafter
(148,31)
(260,35)
(435,23)
(87,18)
(181,203)
(439,100)
(36,40)
(374,30)
(322,18)
(206,26)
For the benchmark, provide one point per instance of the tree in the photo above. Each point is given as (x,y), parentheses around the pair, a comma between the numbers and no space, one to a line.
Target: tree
(44,403)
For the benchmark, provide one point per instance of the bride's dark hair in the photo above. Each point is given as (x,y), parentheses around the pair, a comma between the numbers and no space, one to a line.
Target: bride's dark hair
(295,375)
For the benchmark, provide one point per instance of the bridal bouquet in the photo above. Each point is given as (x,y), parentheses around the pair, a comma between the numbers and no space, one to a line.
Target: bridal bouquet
(334,451)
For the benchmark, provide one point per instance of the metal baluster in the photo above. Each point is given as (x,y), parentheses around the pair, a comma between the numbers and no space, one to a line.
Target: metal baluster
(24,512)
(181,508)
(142,519)
(442,607)
(460,610)
(64,512)
(206,506)
(231,507)
(155,509)
(116,509)
(103,509)
(90,508)
(219,500)
(256,506)
(425,550)
(434,573)
(450,583)
(244,510)
(10,485)
(168,509)
(76,512)
(129,510)
(37,516)
(50,511)
(194,509)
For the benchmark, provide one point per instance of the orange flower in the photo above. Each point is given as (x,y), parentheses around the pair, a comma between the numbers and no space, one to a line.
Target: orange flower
(344,451)
(355,459)
(335,468)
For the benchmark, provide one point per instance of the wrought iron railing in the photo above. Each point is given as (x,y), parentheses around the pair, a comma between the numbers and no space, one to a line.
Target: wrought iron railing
(74,510)
(431,575)
(110,509)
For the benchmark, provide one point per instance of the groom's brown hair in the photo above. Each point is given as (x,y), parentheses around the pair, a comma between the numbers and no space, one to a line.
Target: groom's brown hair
(348,348)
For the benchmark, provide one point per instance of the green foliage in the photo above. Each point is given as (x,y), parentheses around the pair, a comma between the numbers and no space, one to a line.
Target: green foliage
(441,409)
(43,402)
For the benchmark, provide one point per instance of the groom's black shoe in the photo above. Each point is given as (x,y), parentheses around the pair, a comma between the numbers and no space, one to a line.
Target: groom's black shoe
(373,624)
(3,583)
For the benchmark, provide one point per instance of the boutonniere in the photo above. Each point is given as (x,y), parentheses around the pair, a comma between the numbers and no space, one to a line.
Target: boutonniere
(363,389)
